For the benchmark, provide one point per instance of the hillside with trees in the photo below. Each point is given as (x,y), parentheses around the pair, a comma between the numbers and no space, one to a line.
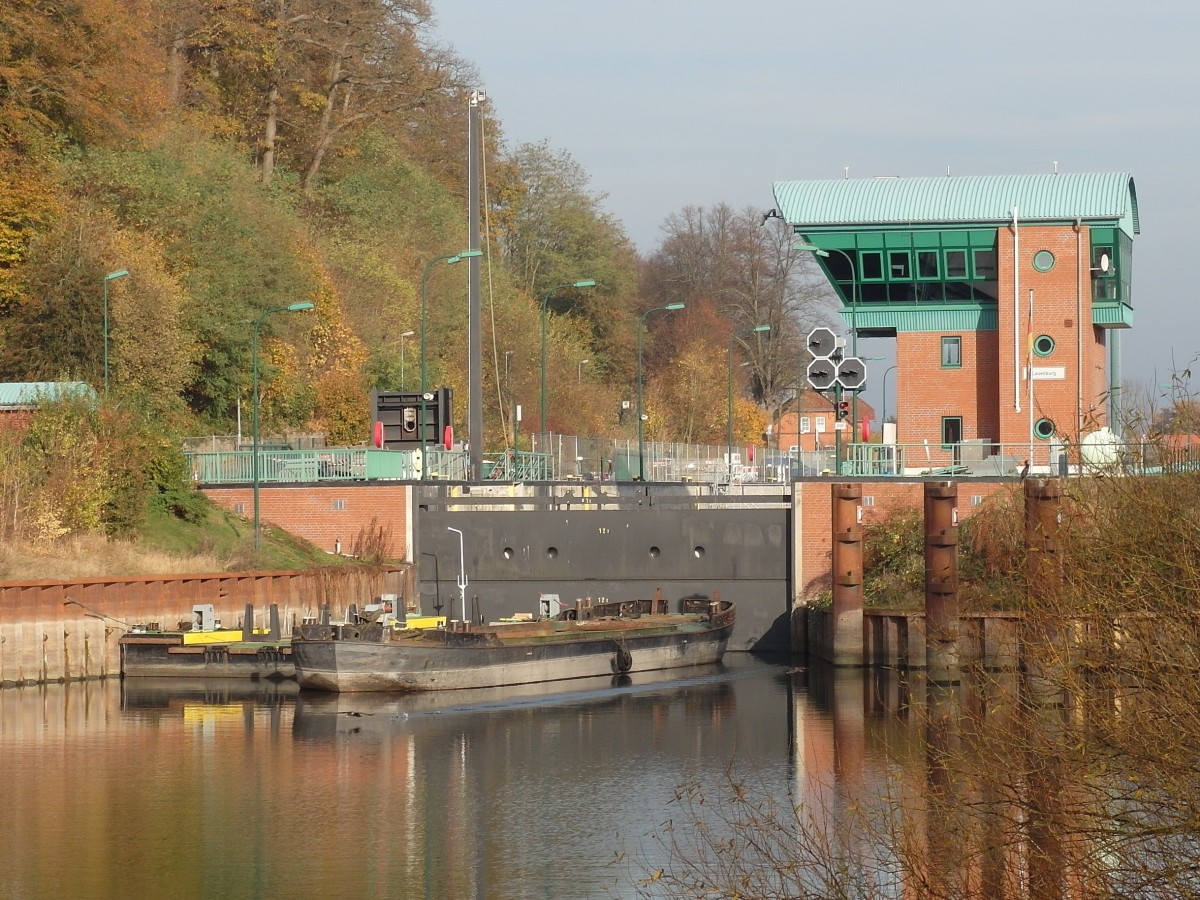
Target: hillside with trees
(239,156)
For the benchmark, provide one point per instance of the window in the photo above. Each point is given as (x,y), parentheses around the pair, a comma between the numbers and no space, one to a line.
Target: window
(820,424)
(1043,429)
(899,265)
(239,509)
(951,431)
(952,352)
(927,264)
(872,266)
(1043,260)
(805,424)
(956,263)
(985,264)
(1043,345)
(339,505)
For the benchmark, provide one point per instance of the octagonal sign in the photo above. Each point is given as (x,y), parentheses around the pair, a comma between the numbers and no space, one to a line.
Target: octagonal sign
(852,373)
(822,374)
(822,342)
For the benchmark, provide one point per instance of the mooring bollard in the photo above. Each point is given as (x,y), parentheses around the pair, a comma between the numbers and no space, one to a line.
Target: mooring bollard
(847,649)
(941,581)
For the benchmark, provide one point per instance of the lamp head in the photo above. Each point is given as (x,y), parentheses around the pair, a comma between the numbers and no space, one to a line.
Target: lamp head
(811,248)
(120,273)
(587,282)
(762,327)
(466,254)
(298,307)
(675,306)
(407,334)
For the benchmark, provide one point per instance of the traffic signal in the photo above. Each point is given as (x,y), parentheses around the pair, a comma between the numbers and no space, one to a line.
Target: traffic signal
(843,409)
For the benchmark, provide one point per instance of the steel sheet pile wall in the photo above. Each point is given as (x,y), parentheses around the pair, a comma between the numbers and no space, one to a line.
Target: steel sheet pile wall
(65,630)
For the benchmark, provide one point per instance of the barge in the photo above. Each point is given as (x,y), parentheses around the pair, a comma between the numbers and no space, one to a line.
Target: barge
(588,639)
(206,650)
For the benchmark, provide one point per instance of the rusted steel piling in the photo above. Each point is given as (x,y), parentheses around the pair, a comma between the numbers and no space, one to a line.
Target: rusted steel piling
(1043,568)
(847,575)
(941,581)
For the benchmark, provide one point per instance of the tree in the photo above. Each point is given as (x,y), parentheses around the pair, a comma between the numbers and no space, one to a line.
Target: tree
(747,273)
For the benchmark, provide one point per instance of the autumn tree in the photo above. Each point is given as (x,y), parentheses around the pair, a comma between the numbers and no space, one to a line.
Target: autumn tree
(748,274)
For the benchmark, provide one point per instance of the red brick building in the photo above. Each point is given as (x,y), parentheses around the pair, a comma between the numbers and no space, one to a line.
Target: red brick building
(1005,295)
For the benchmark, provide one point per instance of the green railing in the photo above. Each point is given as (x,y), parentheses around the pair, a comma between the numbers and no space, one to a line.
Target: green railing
(358,464)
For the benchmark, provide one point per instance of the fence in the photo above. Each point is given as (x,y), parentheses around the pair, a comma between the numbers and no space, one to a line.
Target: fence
(559,457)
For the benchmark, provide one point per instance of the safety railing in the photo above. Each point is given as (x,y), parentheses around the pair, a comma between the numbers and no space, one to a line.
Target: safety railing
(603,460)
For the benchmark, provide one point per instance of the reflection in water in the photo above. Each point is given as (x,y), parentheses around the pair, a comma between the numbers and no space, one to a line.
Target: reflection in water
(193,789)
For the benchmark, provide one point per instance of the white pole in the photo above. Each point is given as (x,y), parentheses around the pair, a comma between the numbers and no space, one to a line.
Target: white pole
(462,575)
(1029,372)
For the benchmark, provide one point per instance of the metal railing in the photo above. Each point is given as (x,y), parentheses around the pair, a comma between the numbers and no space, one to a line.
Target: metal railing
(592,459)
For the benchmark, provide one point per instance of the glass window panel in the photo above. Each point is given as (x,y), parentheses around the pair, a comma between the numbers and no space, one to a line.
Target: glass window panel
(927,264)
(872,266)
(899,265)
(956,263)
(951,352)
(985,264)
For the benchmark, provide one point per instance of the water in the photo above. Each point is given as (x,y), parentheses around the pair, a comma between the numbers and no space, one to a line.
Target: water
(165,788)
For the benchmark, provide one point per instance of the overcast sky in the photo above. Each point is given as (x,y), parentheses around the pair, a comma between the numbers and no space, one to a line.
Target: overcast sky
(670,103)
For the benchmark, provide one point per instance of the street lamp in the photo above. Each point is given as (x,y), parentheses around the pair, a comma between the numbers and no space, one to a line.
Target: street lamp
(586,283)
(120,273)
(579,370)
(450,259)
(403,337)
(293,307)
(670,307)
(885,375)
(729,407)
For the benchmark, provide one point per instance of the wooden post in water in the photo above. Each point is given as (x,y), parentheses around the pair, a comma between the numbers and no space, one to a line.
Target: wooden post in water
(847,644)
(941,581)
(1043,569)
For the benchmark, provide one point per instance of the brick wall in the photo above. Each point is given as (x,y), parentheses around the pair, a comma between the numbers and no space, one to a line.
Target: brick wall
(1062,309)
(328,513)
(811,573)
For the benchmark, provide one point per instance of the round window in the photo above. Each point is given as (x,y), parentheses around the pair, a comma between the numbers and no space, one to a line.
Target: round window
(1043,345)
(1043,429)
(1043,260)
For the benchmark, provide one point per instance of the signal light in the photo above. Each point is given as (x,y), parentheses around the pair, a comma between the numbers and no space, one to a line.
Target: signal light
(843,409)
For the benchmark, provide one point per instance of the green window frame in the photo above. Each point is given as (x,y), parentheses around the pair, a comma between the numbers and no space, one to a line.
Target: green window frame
(870,263)
(1043,429)
(1043,345)
(899,265)
(927,265)
(983,264)
(951,351)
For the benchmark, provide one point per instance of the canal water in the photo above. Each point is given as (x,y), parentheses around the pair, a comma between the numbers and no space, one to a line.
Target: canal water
(169,788)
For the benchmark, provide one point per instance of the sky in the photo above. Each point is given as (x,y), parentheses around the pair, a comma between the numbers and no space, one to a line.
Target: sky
(671,103)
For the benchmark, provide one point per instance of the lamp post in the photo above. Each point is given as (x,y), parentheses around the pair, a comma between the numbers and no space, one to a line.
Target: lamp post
(579,370)
(450,259)
(120,273)
(293,307)
(670,307)
(729,396)
(585,283)
(403,337)
(885,375)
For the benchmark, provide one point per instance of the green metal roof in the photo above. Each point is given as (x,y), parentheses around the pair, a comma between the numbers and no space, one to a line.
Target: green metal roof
(1103,196)
(30,393)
